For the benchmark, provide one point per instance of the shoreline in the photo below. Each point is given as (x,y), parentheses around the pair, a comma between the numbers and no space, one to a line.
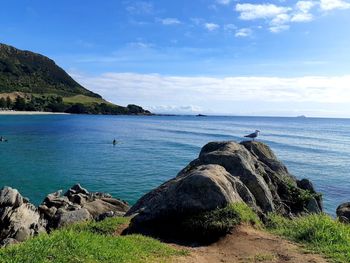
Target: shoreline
(4,112)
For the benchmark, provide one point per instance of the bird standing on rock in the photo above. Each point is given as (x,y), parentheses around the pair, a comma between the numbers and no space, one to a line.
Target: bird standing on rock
(253,135)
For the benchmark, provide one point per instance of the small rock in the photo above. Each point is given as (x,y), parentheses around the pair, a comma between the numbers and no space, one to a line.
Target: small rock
(23,234)
(306,185)
(18,220)
(53,196)
(99,207)
(65,218)
(79,199)
(103,216)
(313,206)
(121,205)
(10,197)
(77,189)
(343,212)
(59,202)
(8,241)
(48,212)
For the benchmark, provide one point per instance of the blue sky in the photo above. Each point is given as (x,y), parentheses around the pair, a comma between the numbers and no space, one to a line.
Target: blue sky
(277,57)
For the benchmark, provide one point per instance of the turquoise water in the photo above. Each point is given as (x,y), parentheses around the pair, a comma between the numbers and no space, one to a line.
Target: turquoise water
(51,152)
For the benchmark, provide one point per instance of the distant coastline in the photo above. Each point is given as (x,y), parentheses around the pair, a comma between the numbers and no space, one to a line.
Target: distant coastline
(12,112)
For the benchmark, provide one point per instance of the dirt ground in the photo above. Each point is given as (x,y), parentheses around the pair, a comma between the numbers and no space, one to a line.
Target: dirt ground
(248,245)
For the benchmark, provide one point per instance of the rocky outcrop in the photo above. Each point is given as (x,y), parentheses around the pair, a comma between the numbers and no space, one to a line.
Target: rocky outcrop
(204,188)
(343,212)
(78,204)
(224,173)
(19,219)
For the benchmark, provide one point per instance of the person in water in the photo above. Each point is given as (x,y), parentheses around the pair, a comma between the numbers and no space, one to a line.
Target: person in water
(114,142)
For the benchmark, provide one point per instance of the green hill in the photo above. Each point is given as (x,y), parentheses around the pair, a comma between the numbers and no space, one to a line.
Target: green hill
(29,72)
(30,81)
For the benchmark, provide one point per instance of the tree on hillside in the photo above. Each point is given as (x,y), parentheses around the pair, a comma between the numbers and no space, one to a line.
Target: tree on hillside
(20,104)
(134,109)
(8,103)
(3,103)
(77,108)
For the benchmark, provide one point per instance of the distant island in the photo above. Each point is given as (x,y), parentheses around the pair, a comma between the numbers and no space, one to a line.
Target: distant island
(33,82)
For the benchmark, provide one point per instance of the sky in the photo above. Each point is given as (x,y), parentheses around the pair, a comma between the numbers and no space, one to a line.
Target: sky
(231,57)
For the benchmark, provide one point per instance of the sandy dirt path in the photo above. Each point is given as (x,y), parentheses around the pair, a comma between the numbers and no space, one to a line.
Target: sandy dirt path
(248,245)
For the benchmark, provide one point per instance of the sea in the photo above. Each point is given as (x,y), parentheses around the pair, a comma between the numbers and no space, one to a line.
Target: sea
(45,153)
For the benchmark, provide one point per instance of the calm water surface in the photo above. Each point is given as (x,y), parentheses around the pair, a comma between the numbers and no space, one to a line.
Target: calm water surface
(51,152)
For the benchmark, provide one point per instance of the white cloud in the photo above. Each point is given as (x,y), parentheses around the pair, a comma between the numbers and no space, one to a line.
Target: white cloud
(328,5)
(279,18)
(302,11)
(230,28)
(279,23)
(243,32)
(305,6)
(181,109)
(302,17)
(223,2)
(140,44)
(259,11)
(278,28)
(170,21)
(211,26)
(140,7)
(227,94)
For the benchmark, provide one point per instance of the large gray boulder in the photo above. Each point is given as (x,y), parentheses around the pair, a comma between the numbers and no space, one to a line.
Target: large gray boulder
(19,219)
(241,164)
(78,204)
(224,173)
(203,188)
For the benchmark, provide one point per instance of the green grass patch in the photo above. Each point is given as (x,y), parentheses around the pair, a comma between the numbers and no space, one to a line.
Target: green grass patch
(246,214)
(221,221)
(105,227)
(319,233)
(301,196)
(83,99)
(89,242)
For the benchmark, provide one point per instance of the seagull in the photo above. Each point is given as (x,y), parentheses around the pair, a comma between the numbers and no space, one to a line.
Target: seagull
(253,135)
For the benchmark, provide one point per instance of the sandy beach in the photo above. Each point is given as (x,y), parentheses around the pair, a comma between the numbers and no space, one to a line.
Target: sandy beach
(30,113)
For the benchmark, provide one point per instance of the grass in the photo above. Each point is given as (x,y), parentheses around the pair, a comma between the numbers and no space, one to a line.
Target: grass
(94,242)
(319,233)
(106,227)
(246,214)
(220,221)
(83,100)
(89,242)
